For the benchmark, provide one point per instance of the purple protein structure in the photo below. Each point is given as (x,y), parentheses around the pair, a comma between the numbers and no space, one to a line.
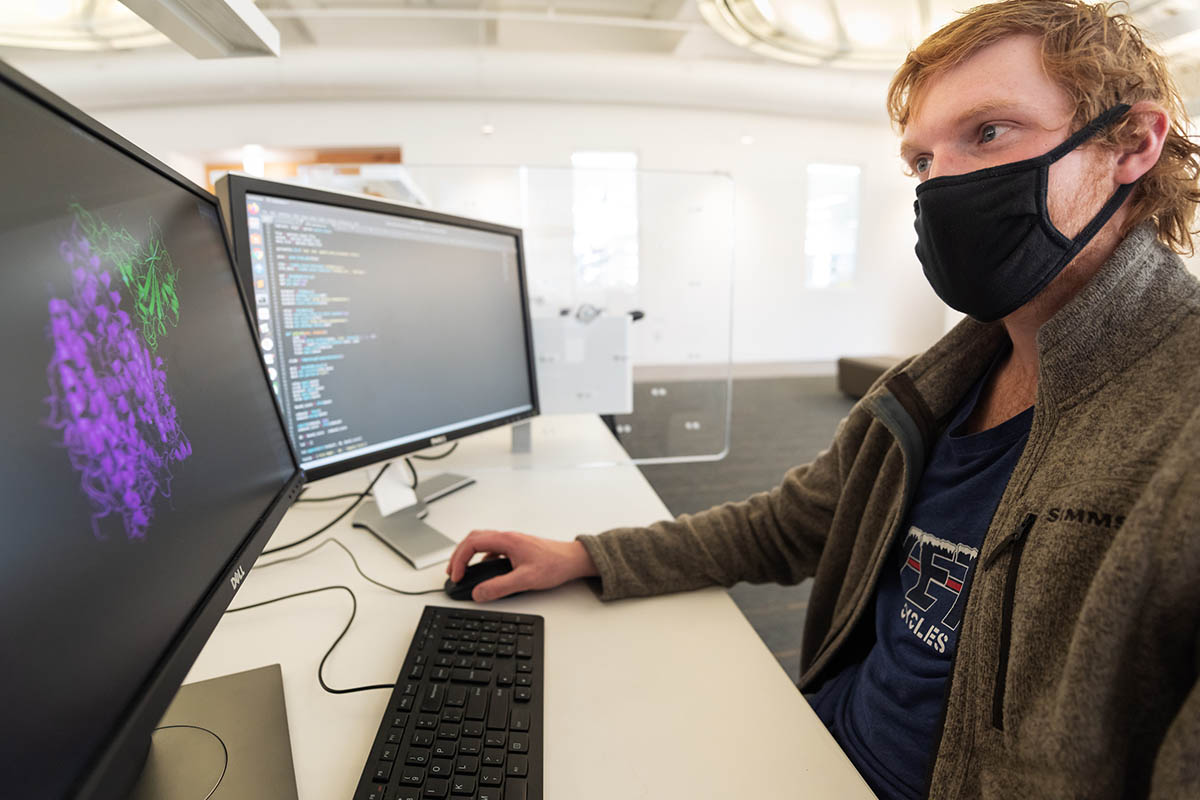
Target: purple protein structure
(108,396)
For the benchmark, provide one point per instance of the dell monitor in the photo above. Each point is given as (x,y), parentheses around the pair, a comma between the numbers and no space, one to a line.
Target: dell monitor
(385,329)
(144,463)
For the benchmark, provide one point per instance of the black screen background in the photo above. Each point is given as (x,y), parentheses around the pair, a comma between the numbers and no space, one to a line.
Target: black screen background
(85,620)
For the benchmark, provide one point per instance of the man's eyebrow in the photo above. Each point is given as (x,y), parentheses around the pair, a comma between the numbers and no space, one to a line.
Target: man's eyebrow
(988,107)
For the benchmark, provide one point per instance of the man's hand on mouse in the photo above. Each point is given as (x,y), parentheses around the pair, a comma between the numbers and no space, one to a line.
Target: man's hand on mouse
(537,563)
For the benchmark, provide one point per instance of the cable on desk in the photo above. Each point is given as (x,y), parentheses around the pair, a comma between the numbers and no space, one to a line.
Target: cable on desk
(329,652)
(345,549)
(303,499)
(358,498)
(453,447)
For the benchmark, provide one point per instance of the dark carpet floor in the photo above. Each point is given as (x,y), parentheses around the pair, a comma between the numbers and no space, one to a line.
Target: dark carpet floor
(777,423)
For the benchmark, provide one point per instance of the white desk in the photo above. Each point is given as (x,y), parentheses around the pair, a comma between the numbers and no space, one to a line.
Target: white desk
(658,698)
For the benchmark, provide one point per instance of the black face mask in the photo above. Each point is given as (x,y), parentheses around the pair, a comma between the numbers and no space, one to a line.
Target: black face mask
(985,239)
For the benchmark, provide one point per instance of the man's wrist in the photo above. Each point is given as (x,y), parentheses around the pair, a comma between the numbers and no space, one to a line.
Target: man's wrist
(582,565)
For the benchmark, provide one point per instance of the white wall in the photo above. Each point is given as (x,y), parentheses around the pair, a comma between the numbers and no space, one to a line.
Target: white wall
(890,309)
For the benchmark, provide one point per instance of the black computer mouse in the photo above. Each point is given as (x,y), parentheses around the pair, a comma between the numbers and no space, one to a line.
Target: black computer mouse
(476,574)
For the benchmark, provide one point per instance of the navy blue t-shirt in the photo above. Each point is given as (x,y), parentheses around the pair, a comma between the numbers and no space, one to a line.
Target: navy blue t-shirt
(884,711)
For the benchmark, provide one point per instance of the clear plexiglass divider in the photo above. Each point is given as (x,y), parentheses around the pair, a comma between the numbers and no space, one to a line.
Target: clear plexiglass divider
(630,284)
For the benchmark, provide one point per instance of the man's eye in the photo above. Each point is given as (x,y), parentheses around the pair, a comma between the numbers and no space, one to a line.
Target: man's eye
(989,132)
(921,164)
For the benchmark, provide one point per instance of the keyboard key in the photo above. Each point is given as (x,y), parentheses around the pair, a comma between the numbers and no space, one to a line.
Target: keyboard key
(445,749)
(523,667)
(493,757)
(417,758)
(422,739)
(375,791)
(519,743)
(383,771)
(467,765)
(436,788)
(440,674)
(441,767)
(388,753)
(522,695)
(489,793)
(491,776)
(481,676)
(395,736)
(464,785)
(448,732)
(470,747)
(498,710)
(524,647)
(416,672)
(405,793)
(411,688)
(477,702)
(515,790)
(520,719)
(495,739)
(472,729)
(412,775)
(427,722)
(525,679)
(518,767)
(432,697)
(405,704)
(452,714)
(456,696)
(399,720)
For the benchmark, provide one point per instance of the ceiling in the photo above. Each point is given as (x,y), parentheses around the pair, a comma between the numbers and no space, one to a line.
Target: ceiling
(636,51)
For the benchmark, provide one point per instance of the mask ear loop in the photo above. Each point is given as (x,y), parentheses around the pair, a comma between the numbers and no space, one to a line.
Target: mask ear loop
(1102,216)
(1087,131)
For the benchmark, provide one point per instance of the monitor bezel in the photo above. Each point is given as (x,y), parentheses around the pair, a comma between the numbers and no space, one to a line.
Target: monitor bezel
(110,772)
(231,192)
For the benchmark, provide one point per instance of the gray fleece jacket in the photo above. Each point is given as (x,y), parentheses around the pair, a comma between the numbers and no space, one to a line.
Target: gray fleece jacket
(1076,668)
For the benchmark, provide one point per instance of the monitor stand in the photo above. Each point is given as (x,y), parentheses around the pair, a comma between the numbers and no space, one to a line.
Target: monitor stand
(404,531)
(225,738)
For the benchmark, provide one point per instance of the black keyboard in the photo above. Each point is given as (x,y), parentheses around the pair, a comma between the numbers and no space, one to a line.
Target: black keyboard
(465,719)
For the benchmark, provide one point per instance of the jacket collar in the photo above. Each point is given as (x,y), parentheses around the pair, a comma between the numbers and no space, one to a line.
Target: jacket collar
(1135,299)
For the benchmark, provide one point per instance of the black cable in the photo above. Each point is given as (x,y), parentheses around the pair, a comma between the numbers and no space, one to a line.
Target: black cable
(321,666)
(413,471)
(353,611)
(358,499)
(453,447)
(303,499)
(346,550)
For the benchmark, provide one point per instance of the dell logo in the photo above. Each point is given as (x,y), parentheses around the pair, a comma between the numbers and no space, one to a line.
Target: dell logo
(237,577)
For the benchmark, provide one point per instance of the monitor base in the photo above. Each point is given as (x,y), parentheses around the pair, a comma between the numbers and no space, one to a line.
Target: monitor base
(224,738)
(404,531)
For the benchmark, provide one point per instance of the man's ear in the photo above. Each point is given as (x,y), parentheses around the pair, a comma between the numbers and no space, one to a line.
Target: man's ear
(1136,158)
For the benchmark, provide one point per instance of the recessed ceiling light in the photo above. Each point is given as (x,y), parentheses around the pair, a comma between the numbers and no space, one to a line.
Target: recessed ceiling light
(488,129)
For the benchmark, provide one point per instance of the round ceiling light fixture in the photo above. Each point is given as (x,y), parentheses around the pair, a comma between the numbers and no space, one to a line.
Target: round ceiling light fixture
(74,25)
(862,34)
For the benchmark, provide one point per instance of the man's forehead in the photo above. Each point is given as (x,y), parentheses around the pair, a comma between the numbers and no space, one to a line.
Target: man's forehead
(1004,77)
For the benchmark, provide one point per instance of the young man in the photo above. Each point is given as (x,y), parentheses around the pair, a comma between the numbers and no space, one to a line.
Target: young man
(1005,532)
